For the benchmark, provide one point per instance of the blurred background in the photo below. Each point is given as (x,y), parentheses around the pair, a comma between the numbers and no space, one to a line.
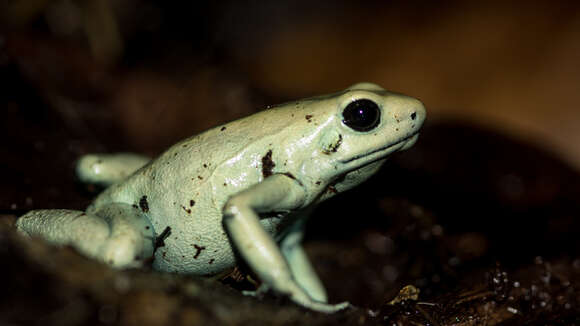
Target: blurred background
(492,180)
(161,71)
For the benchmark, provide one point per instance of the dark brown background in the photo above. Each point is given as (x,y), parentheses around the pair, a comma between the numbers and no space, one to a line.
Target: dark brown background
(490,192)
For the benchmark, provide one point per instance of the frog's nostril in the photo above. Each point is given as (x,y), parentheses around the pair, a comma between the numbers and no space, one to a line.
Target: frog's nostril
(413,115)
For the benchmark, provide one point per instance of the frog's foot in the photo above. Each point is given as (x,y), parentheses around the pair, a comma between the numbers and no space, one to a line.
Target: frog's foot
(328,308)
(117,234)
(263,288)
(106,169)
(300,297)
(303,300)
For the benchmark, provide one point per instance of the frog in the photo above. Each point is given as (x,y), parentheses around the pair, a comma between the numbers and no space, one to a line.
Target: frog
(241,191)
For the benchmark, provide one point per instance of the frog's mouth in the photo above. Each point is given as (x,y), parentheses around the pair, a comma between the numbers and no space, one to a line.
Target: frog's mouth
(405,143)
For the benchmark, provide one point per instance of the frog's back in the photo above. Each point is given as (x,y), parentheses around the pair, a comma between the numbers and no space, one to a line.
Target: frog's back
(193,159)
(185,188)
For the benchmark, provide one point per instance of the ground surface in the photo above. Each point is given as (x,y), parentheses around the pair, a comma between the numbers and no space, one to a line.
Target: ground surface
(483,225)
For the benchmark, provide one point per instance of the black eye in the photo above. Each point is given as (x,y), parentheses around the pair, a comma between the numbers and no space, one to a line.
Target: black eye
(361,115)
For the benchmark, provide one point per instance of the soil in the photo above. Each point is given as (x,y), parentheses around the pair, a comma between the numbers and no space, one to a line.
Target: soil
(469,227)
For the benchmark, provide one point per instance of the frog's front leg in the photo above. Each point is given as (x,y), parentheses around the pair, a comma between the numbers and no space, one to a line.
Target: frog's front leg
(276,193)
(106,169)
(116,234)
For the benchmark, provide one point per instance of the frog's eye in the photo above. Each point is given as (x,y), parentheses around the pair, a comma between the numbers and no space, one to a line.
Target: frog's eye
(361,115)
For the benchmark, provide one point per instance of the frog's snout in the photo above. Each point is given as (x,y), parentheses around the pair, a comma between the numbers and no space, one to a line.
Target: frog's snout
(418,115)
(410,142)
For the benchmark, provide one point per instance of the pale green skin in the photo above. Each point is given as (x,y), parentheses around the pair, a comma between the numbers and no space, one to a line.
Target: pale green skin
(214,193)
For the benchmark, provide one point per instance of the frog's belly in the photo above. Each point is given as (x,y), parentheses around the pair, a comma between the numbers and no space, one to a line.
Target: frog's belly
(202,248)
(197,243)
(196,255)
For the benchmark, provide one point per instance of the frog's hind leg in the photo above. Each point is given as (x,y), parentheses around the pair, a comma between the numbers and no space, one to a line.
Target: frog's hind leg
(106,169)
(117,234)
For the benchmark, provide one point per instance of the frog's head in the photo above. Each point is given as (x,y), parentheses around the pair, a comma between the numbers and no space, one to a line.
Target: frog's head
(366,124)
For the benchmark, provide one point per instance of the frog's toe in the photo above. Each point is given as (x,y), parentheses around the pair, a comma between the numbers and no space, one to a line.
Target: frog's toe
(116,257)
(343,305)
(250,293)
(120,253)
(258,292)
(106,169)
(328,308)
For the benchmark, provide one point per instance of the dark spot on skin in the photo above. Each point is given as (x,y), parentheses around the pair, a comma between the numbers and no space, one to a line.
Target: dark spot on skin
(332,148)
(318,183)
(99,161)
(147,228)
(205,165)
(175,154)
(211,261)
(187,210)
(200,177)
(191,203)
(160,240)
(413,115)
(308,117)
(198,250)
(144,204)
(267,164)
(225,184)
(223,128)
(331,189)
(184,145)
